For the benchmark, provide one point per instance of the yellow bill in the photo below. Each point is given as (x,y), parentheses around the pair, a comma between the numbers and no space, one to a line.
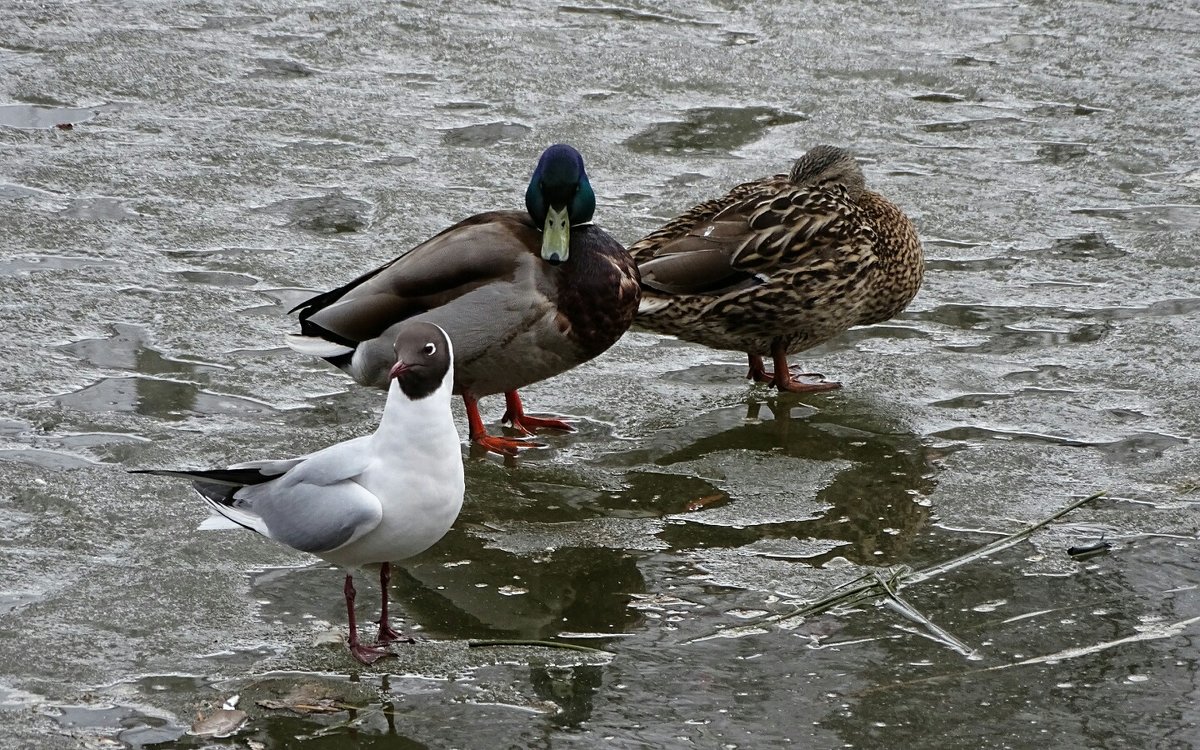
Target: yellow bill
(556,236)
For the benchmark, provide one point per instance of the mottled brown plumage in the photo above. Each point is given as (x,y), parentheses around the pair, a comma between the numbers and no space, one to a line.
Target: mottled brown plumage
(782,264)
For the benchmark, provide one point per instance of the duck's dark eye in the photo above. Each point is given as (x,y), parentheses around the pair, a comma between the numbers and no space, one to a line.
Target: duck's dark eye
(430,349)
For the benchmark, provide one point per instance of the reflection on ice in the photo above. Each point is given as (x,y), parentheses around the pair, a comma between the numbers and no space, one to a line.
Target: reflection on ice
(128,348)
(158,397)
(568,589)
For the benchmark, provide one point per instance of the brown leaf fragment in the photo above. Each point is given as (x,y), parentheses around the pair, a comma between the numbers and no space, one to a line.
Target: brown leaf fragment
(223,722)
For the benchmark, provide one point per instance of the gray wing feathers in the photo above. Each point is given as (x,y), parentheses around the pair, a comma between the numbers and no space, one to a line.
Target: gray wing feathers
(313,518)
(317,505)
(333,464)
(271,467)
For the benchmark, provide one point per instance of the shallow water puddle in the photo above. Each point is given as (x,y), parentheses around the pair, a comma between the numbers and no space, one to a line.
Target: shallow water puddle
(37,117)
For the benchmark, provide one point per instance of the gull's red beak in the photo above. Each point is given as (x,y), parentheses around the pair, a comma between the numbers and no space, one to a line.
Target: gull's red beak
(398,369)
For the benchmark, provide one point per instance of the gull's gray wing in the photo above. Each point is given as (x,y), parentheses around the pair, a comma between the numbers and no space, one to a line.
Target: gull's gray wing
(311,517)
(315,505)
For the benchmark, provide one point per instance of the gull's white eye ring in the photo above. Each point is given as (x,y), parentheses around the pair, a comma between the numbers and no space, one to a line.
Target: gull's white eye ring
(430,349)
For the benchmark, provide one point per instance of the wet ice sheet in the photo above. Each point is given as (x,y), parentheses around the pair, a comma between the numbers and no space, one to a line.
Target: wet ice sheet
(223,160)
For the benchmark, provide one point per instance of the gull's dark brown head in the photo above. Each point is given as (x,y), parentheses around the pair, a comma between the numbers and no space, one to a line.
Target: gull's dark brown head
(423,359)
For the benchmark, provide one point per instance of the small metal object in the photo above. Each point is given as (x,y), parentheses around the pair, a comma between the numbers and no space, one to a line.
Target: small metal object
(1082,552)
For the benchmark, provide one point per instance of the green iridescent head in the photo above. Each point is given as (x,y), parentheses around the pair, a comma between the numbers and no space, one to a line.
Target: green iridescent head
(559,197)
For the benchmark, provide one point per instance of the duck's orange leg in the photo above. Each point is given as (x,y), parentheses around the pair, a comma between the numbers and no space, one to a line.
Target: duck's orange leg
(479,435)
(783,377)
(514,414)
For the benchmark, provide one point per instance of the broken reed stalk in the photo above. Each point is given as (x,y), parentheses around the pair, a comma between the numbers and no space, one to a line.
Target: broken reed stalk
(939,633)
(1003,543)
(885,584)
(539,644)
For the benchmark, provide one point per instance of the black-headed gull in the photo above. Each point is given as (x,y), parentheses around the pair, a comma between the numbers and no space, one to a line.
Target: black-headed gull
(367,501)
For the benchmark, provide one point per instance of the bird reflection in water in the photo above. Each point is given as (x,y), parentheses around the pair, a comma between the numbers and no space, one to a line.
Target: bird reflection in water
(873,503)
(572,590)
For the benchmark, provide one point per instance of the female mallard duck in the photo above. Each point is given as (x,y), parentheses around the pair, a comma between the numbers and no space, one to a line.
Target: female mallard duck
(523,295)
(780,265)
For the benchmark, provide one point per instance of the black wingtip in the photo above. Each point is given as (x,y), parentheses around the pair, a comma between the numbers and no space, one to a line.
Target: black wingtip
(228,477)
(219,494)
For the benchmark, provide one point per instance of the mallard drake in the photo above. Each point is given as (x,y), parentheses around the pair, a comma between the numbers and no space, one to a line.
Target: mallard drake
(365,502)
(524,295)
(780,265)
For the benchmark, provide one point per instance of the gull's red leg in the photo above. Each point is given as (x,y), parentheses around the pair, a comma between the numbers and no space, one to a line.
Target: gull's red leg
(386,633)
(365,654)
